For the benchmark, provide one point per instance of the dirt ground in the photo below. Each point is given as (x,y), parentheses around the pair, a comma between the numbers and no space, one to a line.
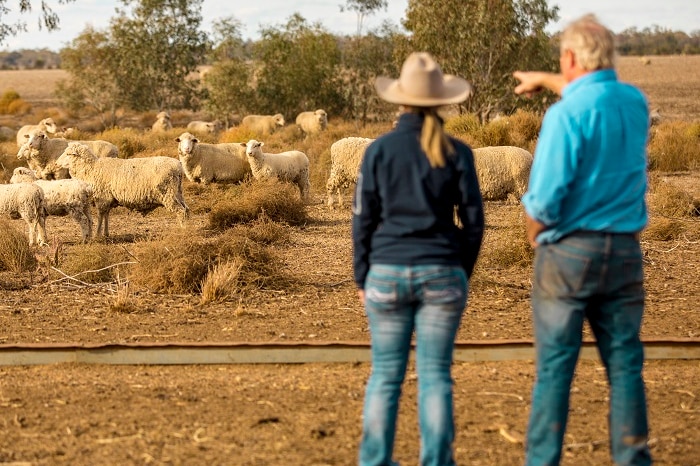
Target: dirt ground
(309,414)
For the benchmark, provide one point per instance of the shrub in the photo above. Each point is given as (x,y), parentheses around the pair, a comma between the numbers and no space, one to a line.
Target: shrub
(462,125)
(92,263)
(16,255)
(667,199)
(252,199)
(663,229)
(129,141)
(675,146)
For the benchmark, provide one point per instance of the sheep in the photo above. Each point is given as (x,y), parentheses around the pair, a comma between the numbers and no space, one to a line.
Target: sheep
(207,163)
(291,166)
(162,123)
(62,197)
(205,127)
(312,122)
(41,153)
(47,125)
(503,172)
(346,157)
(26,200)
(139,184)
(263,124)
(654,117)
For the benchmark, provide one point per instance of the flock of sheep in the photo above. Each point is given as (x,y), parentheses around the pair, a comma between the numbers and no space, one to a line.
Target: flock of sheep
(66,177)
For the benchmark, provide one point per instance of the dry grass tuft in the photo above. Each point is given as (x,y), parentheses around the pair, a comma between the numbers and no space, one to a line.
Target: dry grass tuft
(238,134)
(183,261)
(91,263)
(129,141)
(675,146)
(124,300)
(663,229)
(505,243)
(16,255)
(247,201)
(669,200)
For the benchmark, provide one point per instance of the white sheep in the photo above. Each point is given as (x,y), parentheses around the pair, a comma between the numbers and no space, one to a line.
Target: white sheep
(206,163)
(41,153)
(46,125)
(205,127)
(140,184)
(503,172)
(291,166)
(312,122)
(346,157)
(263,124)
(62,197)
(26,200)
(162,123)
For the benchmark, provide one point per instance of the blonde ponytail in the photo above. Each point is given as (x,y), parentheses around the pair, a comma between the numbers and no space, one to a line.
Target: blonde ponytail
(433,139)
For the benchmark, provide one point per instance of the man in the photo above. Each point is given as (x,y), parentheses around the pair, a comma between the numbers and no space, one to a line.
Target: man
(585,207)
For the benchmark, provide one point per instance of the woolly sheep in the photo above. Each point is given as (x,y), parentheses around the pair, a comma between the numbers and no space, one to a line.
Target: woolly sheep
(47,125)
(139,184)
(62,197)
(162,123)
(346,157)
(312,122)
(206,163)
(263,124)
(41,153)
(205,127)
(26,200)
(503,172)
(291,166)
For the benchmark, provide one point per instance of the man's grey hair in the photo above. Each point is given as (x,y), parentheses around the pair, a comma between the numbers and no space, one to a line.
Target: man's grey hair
(592,44)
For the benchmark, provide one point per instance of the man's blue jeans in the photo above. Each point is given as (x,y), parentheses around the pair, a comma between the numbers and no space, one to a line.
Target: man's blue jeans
(598,277)
(399,300)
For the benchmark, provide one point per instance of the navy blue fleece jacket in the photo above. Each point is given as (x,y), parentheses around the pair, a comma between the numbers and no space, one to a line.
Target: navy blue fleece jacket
(403,210)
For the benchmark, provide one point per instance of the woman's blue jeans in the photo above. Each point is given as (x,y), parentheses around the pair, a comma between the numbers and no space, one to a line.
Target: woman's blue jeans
(399,300)
(598,277)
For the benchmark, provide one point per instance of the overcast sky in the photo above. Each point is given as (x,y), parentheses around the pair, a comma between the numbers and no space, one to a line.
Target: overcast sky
(619,15)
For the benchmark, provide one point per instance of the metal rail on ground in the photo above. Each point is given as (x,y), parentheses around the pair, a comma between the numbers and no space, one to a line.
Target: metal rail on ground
(292,352)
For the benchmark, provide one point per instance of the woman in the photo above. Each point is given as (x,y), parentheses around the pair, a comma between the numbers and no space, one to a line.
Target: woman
(411,261)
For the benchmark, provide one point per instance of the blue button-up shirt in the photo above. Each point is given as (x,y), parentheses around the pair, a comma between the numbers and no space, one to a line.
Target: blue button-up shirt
(589,171)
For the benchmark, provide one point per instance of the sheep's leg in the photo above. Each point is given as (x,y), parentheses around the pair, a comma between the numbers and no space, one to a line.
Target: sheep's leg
(41,230)
(82,218)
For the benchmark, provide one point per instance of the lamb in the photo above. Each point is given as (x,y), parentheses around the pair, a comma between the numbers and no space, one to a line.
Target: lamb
(162,123)
(346,157)
(291,166)
(46,125)
(503,172)
(26,200)
(263,124)
(62,197)
(312,122)
(140,184)
(207,163)
(205,127)
(41,153)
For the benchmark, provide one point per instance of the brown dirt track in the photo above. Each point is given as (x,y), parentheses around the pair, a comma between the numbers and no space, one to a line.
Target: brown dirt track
(310,413)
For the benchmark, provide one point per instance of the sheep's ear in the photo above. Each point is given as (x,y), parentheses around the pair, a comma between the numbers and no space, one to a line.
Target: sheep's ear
(260,144)
(177,139)
(244,144)
(26,136)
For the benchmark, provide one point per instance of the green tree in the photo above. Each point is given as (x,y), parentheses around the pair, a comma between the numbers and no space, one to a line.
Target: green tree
(363,8)
(158,44)
(90,61)
(227,83)
(296,69)
(48,19)
(484,41)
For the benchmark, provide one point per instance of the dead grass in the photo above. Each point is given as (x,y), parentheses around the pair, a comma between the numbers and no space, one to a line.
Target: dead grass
(16,255)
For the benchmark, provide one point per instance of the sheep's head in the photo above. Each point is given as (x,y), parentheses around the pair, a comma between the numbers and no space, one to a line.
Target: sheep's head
(163,116)
(322,118)
(253,148)
(74,151)
(23,175)
(48,125)
(279,119)
(36,139)
(186,143)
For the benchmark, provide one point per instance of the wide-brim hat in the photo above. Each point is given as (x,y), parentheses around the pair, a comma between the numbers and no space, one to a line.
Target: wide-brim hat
(422,84)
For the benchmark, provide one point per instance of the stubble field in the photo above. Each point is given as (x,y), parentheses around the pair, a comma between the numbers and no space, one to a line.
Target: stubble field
(310,413)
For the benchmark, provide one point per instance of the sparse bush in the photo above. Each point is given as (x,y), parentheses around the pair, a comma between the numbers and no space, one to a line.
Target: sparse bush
(222,281)
(182,261)
(129,141)
(667,199)
(663,229)
(524,129)
(237,134)
(505,244)
(675,146)
(462,125)
(16,255)
(252,199)
(92,263)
